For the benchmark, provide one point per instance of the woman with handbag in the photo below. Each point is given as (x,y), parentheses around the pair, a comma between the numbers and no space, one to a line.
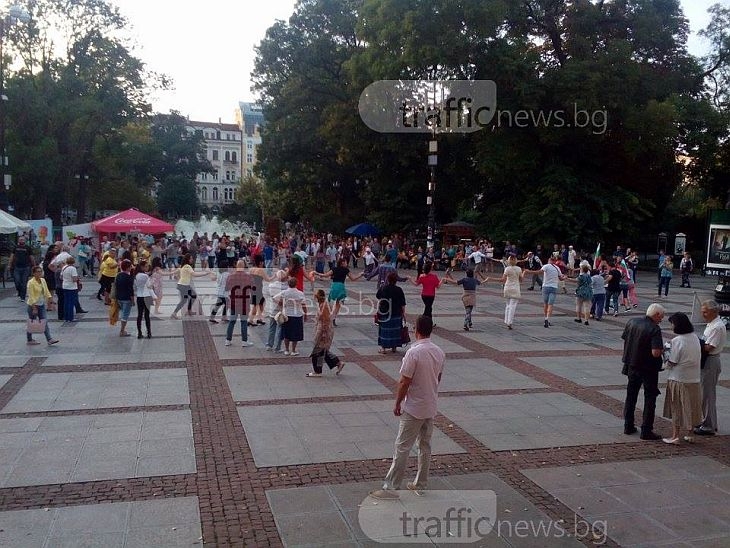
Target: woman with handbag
(38,295)
(323,335)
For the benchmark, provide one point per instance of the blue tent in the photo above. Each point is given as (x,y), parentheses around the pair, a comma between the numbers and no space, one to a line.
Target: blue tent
(363,229)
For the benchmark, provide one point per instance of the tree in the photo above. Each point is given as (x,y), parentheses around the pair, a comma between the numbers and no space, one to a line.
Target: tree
(69,105)
(176,197)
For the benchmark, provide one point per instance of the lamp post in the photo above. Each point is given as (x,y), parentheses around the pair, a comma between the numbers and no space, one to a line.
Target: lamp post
(432,163)
(14,15)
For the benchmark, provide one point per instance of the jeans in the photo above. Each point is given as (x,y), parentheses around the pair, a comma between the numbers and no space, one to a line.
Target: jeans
(125,307)
(275,337)
(410,430)
(599,301)
(69,303)
(20,277)
(41,315)
(664,282)
(612,300)
(232,324)
(650,381)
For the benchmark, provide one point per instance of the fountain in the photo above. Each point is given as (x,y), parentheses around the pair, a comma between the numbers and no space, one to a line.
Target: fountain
(203,225)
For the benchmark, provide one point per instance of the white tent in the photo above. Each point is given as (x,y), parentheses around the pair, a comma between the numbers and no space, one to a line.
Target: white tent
(10,224)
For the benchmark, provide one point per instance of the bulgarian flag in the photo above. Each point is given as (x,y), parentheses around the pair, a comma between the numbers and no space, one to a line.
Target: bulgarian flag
(596,255)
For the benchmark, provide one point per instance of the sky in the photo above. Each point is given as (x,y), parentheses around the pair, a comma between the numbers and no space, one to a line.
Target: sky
(208,48)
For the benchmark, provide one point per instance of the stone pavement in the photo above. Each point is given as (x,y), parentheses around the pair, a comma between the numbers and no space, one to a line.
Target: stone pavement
(182,441)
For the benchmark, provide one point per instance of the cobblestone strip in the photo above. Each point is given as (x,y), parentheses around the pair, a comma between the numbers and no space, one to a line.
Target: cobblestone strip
(18,380)
(95,492)
(108,367)
(233,506)
(97,411)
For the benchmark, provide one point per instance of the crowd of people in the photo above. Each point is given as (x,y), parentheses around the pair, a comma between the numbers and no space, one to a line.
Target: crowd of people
(261,282)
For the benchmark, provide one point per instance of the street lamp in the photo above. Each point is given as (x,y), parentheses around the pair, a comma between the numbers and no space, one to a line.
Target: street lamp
(15,14)
(432,163)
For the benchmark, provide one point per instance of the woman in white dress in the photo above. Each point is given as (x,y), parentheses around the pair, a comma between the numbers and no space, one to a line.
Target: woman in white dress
(511,278)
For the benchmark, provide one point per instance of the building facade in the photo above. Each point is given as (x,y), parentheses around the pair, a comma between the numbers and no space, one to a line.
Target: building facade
(231,149)
(224,150)
(250,118)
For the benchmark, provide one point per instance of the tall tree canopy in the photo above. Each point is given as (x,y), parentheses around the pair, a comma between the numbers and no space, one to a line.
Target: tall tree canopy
(599,105)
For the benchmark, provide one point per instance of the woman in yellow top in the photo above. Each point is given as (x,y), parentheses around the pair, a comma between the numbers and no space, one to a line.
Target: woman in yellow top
(37,297)
(108,270)
(185,284)
(143,254)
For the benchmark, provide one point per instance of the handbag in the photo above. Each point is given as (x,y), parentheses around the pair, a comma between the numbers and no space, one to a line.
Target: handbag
(35,325)
(405,338)
(281,317)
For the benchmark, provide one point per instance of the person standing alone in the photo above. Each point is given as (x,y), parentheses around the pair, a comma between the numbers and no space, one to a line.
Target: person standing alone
(715,337)
(416,405)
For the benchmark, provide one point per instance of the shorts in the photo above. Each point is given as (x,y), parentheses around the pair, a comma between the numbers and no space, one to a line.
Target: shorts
(125,307)
(548,294)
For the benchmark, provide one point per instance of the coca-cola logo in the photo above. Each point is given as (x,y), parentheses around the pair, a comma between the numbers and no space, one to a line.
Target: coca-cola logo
(136,221)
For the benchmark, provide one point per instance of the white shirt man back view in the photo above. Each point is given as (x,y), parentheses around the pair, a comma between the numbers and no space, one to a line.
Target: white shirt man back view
(416,405)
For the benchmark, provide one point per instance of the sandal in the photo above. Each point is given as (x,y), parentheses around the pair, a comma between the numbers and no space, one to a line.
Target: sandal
(382,351)
(310,375)
(340,367)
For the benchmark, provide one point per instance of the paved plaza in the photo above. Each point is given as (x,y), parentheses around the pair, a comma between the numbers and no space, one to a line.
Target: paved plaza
(182,441)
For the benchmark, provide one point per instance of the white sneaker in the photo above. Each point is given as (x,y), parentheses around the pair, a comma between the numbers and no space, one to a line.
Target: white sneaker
(286,352)
(268,348)
(246,344)
(228,343)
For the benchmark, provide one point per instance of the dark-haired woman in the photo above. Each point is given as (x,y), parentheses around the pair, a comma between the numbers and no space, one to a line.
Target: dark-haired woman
(391,314)
(682,402)
(145,296)
(338,293)
(124,285)
(429,283)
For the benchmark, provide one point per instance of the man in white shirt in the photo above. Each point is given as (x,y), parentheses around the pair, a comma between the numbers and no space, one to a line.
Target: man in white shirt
(416,405)
(715,337)
(552,275)
(571,259)
(370,260)
(479,259)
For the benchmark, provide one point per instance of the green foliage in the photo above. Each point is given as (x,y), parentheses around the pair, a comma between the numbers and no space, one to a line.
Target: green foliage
(176,197)
(621,66)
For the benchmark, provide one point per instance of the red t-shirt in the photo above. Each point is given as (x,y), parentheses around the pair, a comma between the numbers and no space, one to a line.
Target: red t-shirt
(429,282)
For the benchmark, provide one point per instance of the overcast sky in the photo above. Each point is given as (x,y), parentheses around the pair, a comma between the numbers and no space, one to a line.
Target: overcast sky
(208,48)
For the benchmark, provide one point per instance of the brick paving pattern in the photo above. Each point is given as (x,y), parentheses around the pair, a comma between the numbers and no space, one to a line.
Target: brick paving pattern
(224,446)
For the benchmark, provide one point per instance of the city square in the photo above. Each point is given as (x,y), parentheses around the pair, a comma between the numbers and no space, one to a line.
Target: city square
(180,440)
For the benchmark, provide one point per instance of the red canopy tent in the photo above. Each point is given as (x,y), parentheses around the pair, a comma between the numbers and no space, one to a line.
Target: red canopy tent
(131,220)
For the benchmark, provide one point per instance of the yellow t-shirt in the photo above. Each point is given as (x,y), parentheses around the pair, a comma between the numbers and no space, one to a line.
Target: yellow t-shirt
(109,267)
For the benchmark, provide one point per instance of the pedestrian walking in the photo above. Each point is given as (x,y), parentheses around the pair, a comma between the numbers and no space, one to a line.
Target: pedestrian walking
(38,296)
(511,278)
(469,298)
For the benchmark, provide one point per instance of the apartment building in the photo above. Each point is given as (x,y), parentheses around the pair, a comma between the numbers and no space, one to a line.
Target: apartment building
(250,118)
(224,150)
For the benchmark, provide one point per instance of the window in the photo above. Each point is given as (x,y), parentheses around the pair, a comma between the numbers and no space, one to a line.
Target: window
(228,193)
(203,176)
(215,175)
(215,193)
(215,155)
(249,171)
(249,145)
(227,156)
(204,194)
(249,158)
(234,157)
(228,175)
